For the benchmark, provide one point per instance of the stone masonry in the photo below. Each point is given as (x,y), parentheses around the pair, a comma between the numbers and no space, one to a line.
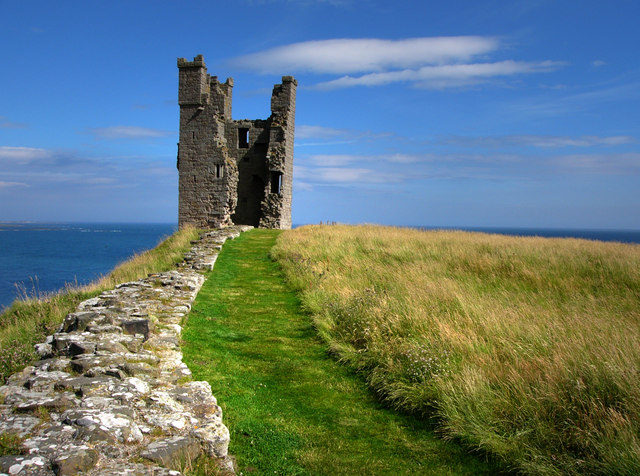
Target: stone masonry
(233,171)
(111,395)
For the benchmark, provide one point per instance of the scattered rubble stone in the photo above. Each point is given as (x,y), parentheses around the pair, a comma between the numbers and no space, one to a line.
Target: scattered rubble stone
(111,390)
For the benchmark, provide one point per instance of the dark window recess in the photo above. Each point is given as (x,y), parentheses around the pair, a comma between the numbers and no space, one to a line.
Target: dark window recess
(243,138)
(219,170)
(276,182)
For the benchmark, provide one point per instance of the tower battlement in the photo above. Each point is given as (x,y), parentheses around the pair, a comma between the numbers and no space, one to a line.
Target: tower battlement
(238,172)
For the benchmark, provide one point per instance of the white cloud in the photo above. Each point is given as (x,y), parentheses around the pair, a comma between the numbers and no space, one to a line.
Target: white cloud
(443,76)
(339,160)
(23,155)
(128,132)
(404,158)
(343,175)
(428,62)
(331,136)
(611,164)
(12,184)
(543,141)
(598,63)
(319,132)
(340,56)
(327,160)
(303,186)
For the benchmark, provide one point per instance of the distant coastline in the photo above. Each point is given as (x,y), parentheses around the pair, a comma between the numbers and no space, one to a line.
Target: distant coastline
(622,236)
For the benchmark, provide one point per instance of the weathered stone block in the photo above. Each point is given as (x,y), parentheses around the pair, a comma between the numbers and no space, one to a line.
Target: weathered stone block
(174,451)
(78,462)
(136,326)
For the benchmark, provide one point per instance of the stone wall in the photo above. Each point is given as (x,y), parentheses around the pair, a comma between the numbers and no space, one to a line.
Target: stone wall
(254,186)
(111,394)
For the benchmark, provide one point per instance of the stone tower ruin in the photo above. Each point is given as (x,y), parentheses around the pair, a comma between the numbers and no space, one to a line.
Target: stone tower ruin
(233,172)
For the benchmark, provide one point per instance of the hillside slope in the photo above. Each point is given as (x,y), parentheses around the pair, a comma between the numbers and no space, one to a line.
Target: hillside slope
(290,407)
(525,347)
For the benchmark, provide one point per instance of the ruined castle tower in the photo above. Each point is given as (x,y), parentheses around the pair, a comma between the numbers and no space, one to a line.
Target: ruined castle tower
(233,172)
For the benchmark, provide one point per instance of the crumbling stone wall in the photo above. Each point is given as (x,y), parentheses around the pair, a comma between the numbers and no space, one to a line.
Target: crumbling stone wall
(233,171)
(111,395)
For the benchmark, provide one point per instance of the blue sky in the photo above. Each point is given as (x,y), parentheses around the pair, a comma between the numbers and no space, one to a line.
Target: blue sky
(450,113)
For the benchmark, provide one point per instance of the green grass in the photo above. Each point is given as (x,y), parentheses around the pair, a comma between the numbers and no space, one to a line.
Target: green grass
(28,322)
(525,347)
(290,407)
(11,444)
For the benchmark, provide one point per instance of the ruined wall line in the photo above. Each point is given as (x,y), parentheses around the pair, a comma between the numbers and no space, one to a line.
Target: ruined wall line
(111,394)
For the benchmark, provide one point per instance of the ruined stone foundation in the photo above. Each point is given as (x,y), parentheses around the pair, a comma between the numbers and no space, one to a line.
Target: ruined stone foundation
(233,171)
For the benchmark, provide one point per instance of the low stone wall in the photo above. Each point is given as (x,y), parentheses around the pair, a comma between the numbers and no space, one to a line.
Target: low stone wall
(111,394)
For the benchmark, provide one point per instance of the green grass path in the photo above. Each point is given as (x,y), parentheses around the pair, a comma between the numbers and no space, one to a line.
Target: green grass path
(291,408)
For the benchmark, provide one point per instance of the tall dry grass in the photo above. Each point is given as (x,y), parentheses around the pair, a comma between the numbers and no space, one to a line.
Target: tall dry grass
(29,320)
(528,348)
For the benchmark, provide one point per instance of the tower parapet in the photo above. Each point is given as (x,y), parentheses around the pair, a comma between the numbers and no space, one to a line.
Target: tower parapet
(230,171)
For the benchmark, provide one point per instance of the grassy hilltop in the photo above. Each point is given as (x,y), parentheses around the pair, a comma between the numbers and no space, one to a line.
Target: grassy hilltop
(525,347)
(290,407)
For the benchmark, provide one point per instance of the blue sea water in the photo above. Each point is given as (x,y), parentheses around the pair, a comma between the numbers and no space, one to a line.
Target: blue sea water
(622,236)
(41,258)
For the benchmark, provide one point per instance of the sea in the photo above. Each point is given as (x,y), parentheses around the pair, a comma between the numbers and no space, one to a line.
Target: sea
(38,258)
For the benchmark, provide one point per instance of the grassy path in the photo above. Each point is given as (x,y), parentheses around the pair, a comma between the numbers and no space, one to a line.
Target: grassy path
(291,409)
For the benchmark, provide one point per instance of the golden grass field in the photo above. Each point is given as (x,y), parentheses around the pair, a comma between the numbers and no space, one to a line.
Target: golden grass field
(526,347)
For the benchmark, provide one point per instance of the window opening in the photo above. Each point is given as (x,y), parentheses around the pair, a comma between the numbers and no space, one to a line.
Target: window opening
(243,138)
(276,182)
(219,170)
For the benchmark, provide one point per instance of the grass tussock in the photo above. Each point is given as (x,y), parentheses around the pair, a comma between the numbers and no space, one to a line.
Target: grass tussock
(525,347)
(28,321)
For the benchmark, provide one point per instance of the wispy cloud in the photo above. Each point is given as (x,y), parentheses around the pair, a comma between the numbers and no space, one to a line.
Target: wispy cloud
(386,170)
(353,170)
(621,89)
(543,141)
(344,175)
(12,184)
(128,132)
(47,168)
(333,3)
(7,124)
(332,160)
(341,56)
(319,132)
(428,62)
(23,155)
(444,76)
(607,164)
(321,135)
(598,63)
